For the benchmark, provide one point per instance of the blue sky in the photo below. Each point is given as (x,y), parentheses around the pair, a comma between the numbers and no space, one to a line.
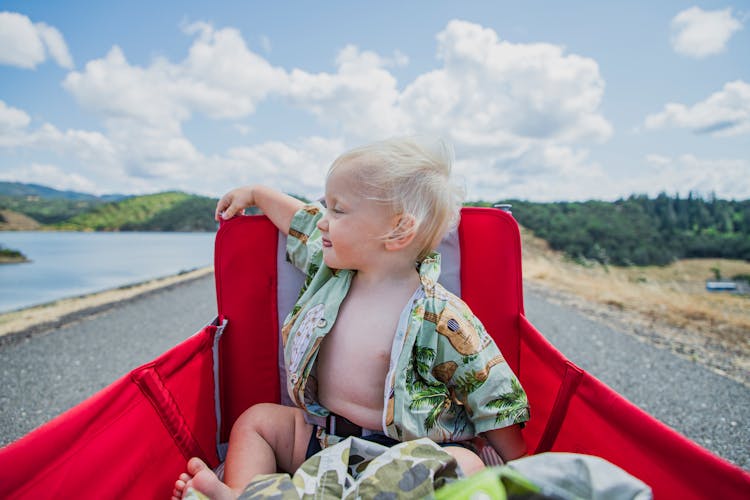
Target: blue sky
(541,100)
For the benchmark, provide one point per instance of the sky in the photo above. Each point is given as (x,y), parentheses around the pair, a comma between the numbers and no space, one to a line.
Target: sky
(542,101)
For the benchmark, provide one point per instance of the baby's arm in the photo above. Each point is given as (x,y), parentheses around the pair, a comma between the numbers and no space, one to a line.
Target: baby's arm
(277,206)
(507,442)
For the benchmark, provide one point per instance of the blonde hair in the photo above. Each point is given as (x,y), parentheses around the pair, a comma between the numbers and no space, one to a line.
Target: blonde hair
(412,177)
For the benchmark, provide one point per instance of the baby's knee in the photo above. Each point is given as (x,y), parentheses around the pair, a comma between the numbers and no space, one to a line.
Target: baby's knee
(257,417)
(469,461)
(266,418)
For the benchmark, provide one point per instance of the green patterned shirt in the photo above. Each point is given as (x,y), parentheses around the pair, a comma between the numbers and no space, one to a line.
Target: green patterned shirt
(447,379)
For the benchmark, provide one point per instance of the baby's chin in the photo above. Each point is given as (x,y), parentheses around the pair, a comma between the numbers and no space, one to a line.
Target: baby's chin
(327,259)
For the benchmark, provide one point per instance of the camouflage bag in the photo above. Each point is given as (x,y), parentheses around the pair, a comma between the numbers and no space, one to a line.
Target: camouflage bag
(355,468)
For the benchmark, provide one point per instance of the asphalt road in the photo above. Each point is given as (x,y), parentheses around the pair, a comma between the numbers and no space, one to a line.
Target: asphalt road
(710,409)
(48,373)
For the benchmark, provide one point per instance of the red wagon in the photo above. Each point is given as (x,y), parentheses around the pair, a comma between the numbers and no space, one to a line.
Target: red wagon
(132,438)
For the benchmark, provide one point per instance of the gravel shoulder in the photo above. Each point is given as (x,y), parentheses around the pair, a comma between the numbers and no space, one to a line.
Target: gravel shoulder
(707,407)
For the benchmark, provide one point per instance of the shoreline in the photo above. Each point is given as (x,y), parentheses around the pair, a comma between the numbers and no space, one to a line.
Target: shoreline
(23,323)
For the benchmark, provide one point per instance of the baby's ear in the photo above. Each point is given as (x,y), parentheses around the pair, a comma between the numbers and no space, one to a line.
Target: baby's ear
(404,231)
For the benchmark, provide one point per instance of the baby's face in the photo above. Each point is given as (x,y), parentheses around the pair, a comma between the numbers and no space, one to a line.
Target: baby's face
(354,225)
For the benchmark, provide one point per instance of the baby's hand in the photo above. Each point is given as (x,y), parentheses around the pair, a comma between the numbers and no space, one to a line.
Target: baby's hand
(233,202)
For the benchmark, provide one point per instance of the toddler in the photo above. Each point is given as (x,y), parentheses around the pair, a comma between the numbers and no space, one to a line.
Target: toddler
(374,344)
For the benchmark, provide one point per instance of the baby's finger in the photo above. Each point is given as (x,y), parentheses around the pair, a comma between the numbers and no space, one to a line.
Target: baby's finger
(221,206)
(230,211)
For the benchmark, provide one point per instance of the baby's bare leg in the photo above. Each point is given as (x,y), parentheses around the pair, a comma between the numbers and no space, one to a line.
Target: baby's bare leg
(265,437)
(469,461)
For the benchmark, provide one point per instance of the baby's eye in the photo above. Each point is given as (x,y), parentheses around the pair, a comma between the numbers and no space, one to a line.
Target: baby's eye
(323,202)
(337,210)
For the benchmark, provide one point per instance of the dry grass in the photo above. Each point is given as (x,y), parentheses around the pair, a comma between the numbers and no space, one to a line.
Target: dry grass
(668,305)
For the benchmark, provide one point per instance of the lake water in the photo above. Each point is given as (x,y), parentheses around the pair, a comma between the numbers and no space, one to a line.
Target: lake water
(68,264)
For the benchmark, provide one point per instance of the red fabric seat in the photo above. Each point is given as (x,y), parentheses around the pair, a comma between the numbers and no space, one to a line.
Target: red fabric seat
(133,438)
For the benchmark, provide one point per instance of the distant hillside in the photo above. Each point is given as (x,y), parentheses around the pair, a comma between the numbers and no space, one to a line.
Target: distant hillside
(641,230)
(29,206)
(47,210)
(170,211)
(32,190)
(15,221)
(46,205)
(634,231)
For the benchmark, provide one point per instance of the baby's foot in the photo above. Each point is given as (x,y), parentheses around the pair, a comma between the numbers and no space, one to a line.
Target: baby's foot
(200,477)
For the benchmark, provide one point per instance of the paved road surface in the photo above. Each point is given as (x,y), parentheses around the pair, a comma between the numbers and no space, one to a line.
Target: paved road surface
(710,409)
(48,373)
(42,376)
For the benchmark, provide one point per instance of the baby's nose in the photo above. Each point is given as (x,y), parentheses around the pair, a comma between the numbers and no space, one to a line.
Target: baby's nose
(323,223)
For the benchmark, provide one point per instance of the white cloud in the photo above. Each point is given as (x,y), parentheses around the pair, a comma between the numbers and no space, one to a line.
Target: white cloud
(493,93)
(55,44)
(91,152)
(513,111)
(25,44)
(20,44)
(84,145)
(359,100)
(698,33)
(725,177)
(114,89)
(499,103)
(12,119)
(723,113)
(222,77)
(297,168)
(50,175)
(144,108)
(546,173)
(90,147)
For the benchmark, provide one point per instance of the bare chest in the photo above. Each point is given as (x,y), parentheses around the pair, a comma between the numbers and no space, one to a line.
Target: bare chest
(358,348)
(361,338)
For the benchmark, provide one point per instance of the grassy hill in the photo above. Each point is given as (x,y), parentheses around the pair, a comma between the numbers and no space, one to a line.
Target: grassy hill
(31,206)
(169,211)
(46,205)
(47,210)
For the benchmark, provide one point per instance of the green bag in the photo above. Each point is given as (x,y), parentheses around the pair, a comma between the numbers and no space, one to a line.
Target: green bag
(559,476)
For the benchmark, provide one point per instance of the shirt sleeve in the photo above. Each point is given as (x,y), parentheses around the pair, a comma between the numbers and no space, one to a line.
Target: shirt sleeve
(483,380)
(303,245)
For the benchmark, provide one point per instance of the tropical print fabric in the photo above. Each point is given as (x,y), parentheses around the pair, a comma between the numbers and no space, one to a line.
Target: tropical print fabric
(447,380)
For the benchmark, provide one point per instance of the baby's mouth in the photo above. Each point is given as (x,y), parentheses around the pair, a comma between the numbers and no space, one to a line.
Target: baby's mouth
(327,243)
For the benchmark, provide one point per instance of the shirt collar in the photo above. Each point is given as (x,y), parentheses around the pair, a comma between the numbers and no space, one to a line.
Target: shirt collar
(429,268)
